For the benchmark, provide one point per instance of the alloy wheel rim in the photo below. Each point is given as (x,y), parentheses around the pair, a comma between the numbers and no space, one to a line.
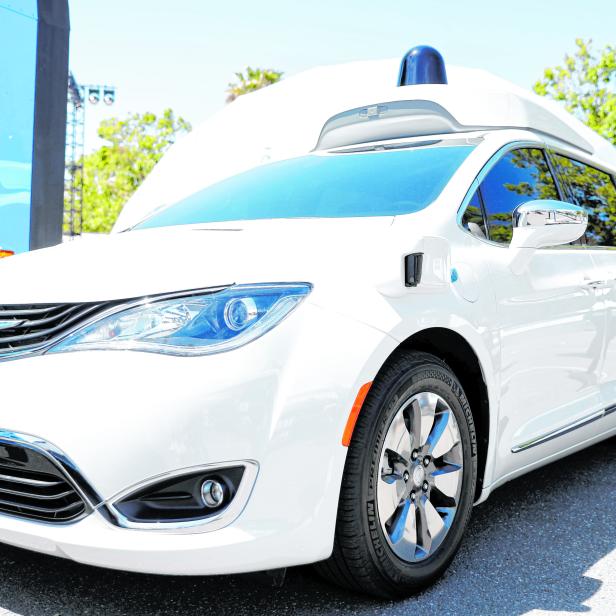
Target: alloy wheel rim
(420,476)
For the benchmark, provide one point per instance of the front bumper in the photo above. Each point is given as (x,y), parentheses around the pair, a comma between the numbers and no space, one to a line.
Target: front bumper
(238,548)
(125,417)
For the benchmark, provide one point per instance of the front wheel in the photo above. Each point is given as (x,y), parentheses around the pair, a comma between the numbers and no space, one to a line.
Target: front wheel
(409,481)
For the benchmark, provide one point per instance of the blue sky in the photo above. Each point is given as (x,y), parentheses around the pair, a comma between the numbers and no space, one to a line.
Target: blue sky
(183,53)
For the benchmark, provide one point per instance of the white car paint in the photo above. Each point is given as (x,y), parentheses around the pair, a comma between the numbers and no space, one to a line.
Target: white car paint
(286,119)
(543,337)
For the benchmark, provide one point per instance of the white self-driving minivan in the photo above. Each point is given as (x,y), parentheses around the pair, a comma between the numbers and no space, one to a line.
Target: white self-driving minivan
(324,359)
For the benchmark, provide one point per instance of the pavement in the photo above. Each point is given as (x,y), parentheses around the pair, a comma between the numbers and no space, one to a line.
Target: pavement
(542,544)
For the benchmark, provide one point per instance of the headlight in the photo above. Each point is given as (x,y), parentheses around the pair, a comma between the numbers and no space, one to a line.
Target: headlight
(191,325)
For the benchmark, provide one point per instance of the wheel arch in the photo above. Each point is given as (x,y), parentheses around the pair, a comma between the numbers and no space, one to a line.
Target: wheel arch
(459,355)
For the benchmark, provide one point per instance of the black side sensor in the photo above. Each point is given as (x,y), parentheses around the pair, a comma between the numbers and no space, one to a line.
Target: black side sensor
(412,269)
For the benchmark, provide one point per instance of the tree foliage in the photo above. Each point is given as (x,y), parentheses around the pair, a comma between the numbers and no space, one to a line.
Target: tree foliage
(112,173)
(254,79)
(586,84)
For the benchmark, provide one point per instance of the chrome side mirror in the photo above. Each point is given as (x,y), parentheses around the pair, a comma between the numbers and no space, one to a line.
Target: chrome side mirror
(542,223)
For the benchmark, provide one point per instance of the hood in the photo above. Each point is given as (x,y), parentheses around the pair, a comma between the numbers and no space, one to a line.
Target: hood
(140,263)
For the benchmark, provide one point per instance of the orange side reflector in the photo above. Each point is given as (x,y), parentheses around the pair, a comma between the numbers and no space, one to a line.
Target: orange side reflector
(354,414)
(6,253)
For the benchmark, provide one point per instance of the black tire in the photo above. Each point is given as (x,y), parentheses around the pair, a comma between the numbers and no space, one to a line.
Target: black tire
(362,559)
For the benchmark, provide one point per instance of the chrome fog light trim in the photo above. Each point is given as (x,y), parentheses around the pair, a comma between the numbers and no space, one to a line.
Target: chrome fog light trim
(212,493)
(214,521)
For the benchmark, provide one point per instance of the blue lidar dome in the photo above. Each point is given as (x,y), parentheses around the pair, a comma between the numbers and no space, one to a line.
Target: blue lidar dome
(422,65)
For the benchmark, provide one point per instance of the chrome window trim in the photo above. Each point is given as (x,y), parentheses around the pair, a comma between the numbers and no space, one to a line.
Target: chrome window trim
(487,167)
(552,434)
(63,463)
(200,525)
(121,307)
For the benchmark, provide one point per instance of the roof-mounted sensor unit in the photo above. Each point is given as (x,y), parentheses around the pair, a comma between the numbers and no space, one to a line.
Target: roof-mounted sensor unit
(422,65)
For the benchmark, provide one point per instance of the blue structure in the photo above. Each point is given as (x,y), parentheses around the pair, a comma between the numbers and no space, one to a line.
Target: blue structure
(33,78)
(422,65)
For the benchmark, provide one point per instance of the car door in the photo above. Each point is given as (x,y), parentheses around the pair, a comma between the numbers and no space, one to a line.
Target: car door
(595,190)
(549,327)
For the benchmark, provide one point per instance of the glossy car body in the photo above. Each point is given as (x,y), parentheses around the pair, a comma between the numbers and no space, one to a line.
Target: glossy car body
(534,350)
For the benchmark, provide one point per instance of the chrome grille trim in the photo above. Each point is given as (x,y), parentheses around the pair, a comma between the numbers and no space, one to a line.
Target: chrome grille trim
(21,323)
(66,513)
(55,494)
(20,312)
(32,495)
(32,482)
(51,322)
(32,487)
(14,345)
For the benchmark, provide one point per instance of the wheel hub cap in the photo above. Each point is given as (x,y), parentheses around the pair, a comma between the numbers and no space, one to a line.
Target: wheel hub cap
(420,476)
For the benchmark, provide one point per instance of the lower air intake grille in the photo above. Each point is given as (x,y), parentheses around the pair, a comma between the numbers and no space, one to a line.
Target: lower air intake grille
(31,486)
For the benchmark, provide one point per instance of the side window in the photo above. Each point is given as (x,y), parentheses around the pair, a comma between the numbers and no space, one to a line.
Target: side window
(472,219)
(594,190)
(519,176)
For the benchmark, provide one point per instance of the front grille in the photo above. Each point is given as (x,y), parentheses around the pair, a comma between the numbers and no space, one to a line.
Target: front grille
(29,327)
(31,486)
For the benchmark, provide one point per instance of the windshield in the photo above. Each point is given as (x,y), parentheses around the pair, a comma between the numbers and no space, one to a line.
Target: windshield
(381,183)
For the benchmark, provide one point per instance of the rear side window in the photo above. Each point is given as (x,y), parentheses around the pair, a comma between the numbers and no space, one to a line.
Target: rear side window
(519,176)
(594,190)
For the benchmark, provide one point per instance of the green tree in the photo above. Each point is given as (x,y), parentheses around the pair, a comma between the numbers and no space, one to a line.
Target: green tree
(254,79)
(586,84)
(112,173)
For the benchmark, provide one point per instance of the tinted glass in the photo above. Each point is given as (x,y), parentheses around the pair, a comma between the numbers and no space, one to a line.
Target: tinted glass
(519,176)
(472,219)
(323,186)
(595,191)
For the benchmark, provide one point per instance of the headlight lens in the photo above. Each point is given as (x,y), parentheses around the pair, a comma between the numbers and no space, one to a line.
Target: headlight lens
(193,325)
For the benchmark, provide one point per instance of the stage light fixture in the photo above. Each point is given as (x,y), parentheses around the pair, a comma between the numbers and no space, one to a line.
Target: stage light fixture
(108,96)
(94,95)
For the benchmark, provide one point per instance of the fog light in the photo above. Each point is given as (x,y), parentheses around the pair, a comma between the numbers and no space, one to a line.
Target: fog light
(183,499)
(212,493)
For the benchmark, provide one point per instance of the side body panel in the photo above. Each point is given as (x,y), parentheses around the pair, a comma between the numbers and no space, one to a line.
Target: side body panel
(603,278)
(551,333)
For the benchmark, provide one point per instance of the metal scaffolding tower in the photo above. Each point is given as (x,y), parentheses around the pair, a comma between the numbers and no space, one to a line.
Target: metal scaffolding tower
(75,137)
(73,174)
